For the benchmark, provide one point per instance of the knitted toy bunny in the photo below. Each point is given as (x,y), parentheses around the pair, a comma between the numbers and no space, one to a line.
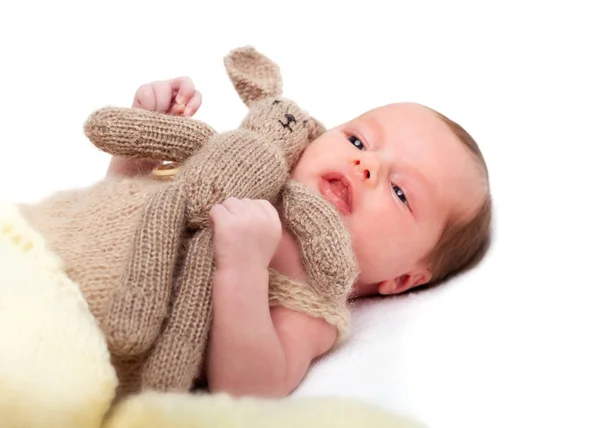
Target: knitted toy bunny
(154,303)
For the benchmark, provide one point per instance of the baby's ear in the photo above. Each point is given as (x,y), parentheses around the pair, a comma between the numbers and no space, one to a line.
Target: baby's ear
(406,282)
(315,129)
(254,76)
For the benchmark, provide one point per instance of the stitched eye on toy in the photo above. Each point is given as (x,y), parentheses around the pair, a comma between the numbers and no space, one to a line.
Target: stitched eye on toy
(276,102)
(290,119)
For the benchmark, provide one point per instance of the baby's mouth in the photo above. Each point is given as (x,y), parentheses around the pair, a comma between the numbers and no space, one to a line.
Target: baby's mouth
(337,189)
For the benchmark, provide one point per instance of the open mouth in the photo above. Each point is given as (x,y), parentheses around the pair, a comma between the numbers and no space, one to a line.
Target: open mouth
(337,189)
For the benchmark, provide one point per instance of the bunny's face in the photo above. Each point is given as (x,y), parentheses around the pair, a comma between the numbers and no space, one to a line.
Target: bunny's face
(284,123)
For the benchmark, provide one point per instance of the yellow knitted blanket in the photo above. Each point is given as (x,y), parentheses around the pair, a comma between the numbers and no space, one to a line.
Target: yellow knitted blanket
(55,369)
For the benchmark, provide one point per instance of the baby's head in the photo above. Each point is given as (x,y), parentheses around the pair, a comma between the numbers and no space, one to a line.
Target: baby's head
(413,190)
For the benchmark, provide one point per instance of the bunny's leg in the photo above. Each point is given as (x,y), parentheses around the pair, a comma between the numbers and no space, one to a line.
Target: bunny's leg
(176,360)
(138,133)
(140,302)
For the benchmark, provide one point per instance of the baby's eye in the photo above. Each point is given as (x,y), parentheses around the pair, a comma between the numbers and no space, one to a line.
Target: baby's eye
(356,142)
(398,191)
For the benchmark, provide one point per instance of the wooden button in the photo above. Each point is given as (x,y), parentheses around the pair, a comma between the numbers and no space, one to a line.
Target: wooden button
(166,170)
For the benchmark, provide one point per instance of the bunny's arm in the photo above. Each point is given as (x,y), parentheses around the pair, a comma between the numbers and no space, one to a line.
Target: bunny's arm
(133,132)
(140,301)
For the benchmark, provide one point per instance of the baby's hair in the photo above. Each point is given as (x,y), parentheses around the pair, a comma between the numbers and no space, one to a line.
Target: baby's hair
(463,244)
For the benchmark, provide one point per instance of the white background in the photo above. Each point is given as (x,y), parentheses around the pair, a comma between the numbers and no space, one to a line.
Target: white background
(514,343)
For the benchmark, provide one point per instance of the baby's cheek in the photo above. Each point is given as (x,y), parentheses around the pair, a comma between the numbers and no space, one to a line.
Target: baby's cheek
(381,249)
(371,250)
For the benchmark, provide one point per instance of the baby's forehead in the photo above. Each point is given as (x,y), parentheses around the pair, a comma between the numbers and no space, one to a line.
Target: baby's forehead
(406,123)
(436,151)
(402,112)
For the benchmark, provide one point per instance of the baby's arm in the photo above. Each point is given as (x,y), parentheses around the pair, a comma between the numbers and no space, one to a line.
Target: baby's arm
(176,97)
(255,350)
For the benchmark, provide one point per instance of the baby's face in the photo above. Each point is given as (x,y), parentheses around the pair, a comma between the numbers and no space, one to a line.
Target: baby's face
(396,174)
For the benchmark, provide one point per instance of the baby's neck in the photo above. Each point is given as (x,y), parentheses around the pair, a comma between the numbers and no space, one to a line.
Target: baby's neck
(287,259)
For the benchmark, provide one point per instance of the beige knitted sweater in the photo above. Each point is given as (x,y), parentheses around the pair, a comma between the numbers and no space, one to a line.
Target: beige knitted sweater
(141,248)
(92,231)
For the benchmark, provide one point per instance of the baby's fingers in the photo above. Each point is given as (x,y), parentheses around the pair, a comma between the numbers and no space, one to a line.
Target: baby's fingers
(162,93)
(186,99)
(144,98)
(218,214)
(153,97)
(193,105)
(183,90)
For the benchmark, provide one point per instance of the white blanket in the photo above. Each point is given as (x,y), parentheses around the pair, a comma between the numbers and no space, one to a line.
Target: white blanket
(476,352)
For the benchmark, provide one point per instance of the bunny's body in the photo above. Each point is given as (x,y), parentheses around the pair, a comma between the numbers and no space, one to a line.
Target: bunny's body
(141,249)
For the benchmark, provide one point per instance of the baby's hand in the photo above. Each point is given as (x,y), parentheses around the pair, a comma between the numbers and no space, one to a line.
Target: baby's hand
(176,97)
(246,233)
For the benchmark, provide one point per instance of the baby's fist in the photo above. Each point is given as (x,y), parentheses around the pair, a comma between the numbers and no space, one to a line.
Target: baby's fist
(246,233)
(176,96)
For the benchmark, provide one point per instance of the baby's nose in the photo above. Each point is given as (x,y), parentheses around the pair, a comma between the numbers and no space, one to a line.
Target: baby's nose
(368,167)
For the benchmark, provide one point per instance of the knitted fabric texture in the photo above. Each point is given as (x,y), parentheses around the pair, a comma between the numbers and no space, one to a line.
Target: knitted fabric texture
(128,135)
(93,230)
(141,249)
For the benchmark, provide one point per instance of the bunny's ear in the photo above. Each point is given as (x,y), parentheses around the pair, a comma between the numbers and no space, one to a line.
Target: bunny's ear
(254,76)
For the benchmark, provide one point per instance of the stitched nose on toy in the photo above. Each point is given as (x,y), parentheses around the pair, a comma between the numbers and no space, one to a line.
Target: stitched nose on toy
(290,119)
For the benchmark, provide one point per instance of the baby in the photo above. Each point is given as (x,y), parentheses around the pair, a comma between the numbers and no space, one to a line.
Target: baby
(412,187)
